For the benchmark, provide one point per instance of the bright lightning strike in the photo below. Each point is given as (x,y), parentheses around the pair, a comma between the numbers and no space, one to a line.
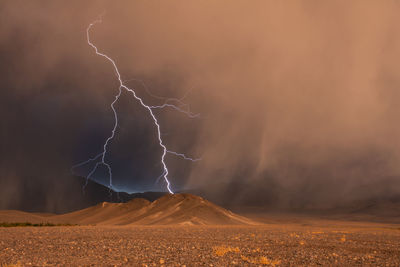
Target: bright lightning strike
(102,155)
(179,101)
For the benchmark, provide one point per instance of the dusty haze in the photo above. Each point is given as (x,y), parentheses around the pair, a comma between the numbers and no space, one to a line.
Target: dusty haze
(298,101)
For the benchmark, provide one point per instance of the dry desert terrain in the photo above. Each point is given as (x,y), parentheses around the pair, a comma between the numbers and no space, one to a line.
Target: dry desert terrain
(338,244)
(184,230)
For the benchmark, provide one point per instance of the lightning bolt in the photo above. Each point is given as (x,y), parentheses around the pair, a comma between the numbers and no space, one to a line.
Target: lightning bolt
(179,101)
(167,104)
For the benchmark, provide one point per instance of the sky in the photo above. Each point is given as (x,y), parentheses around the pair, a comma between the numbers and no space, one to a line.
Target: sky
(299,101)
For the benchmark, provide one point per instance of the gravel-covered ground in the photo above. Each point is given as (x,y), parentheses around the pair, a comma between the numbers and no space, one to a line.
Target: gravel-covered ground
(274,244)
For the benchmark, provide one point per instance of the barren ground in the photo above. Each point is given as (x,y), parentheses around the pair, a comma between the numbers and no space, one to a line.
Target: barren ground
(304,242)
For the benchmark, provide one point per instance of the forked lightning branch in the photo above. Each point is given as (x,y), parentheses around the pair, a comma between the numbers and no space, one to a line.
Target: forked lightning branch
(100,159)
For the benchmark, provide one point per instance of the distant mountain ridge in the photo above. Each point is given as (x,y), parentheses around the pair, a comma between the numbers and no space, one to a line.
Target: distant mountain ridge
(181,209)
(170,209)
(74,193)
(69,196)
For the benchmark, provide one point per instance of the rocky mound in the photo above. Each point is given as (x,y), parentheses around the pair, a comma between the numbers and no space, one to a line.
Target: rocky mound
(181,209)
(103,213)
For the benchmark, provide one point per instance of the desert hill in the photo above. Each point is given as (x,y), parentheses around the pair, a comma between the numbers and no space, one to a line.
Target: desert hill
(171,209)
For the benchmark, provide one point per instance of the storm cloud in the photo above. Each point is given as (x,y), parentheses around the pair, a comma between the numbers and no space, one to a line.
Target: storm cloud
(298,101)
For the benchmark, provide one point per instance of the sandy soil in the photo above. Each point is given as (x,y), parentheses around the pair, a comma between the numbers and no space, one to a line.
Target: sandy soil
(304,243)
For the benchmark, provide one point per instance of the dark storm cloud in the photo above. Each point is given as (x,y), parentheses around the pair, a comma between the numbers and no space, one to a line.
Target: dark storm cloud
(299,101)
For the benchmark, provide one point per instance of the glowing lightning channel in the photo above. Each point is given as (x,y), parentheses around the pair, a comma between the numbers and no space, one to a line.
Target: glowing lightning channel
(149,108)
(182,156)
(165,105)
(179,101)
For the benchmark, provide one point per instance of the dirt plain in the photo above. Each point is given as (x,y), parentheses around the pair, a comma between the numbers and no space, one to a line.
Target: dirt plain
(300,242)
